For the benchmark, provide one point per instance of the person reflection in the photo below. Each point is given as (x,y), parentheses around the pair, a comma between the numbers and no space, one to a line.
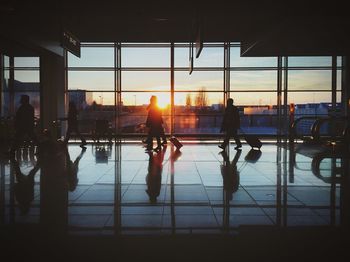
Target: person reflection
(24,186)
(154,175)
(72,169)
(230,173)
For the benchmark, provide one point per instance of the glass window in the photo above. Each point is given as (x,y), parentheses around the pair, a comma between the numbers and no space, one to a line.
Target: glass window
(93,57)
(6,61)
(339,61)
(209,57)
(198,100)
(309,61)
(141,99)
(198,112)
(310,97)
(339,97)
(145,57)
(339,79)
(34,100)
(146,81)
(258,111)
(93,106)
(199,80)
(237,61)
(309,80)
(253,80)
(254,98)
(91,80)
(26,61)
(6,79)
(27,80)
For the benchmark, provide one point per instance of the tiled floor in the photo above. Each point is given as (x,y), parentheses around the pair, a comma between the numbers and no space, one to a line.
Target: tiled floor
(193,192)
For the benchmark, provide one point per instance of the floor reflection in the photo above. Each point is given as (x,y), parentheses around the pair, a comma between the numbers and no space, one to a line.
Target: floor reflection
(120,189)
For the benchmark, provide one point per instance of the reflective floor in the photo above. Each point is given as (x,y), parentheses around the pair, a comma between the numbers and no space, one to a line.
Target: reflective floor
(121,190)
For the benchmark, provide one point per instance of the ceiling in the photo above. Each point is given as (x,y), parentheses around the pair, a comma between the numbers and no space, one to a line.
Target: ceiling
(266,28)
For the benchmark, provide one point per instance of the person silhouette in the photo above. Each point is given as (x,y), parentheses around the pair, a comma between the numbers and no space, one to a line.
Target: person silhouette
(230,125)
(155,124)
(73,124)
(230,173)
(24,123)
(72,169)
(24,186)
(154,175)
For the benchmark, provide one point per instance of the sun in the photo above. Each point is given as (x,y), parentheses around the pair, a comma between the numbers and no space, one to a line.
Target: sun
(163,101)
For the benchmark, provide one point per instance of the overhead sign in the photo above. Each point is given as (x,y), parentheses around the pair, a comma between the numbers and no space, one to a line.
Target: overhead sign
(71,43)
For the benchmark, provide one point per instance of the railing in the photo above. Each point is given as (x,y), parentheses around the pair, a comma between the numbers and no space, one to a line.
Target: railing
(321,128)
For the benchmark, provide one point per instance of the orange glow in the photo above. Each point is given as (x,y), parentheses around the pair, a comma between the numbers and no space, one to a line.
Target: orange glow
(163,100)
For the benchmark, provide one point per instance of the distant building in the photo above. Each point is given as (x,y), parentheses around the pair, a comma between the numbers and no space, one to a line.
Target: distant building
(217,107)
(81,98)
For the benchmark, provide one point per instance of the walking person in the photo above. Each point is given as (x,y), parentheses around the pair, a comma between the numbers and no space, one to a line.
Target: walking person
(148,141)
(73,124)
(230,125)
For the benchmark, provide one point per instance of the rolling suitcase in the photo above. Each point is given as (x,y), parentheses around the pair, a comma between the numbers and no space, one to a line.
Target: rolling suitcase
(253,156)
(252,140)
(176,142)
